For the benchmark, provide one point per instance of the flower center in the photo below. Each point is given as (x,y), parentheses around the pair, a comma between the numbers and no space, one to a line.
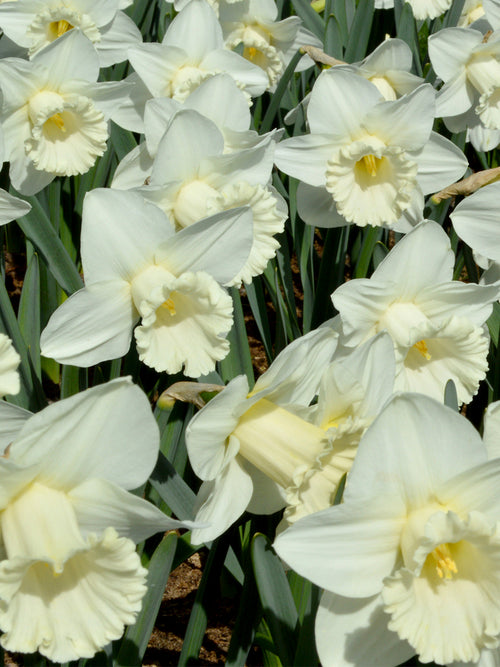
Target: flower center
(445,565)
(170,306)
(422,348)
(58,28)
(58,121)
(370,164)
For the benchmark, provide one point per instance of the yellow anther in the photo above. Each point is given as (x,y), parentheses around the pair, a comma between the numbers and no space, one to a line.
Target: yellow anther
(370,164)
(250,52)
(422,348)
(445,565)
(62,27)
(169,305)
(58,120)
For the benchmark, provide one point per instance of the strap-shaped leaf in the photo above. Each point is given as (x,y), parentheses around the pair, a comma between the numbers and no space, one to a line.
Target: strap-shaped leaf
(276,598)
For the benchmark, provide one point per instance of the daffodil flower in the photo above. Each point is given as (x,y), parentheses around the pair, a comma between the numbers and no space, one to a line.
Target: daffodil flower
(192,177)
(436,324)
(70,579)
(191,52)
(470,69)
(10,207)
(268,43)
(247,447)
(34,24)
(54,115)
(411,559)
(137,268)
(219,99)
(267,449)
(367,161)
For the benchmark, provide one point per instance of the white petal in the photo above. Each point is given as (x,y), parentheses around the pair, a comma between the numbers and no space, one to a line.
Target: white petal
(316,207)
(407,122)
(116,37)
(353,632)
(440,163)
(107,431)
(339,103)
(491,430)
(9,361)
(219,245)
(12,207)
(221,502)
(134,169)
(12,417)
(99,504)
(195,29)
(268,497)
(427,245)
(347,549)
(477,222)
(120,233)
(305,157)
(450,49)
(71,56)
(420,422)
(93,325)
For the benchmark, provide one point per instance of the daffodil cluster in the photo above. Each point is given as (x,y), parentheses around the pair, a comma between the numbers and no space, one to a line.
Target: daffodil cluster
(200,186)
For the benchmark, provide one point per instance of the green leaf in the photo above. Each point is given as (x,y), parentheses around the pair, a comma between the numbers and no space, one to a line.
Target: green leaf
(239,360)
(276,598)
(31,395)
(173,489)
(274,105)
(206,594)
(380,252)
(312,21)
(371,236)
(39,230)
(493,323)
(28,314)
(247,620)
(135,641)
(257,300)
(359,35)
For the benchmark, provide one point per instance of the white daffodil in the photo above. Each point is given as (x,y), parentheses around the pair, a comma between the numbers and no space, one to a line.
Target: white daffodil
(54,115)
(70,579)
(436,323)
(192,177)
(367,161)
(137,268)
(33,24)
(470,69)
(267,449)
(9,361)
(248,448)
(218,98)
(191,52)
(411,559)
(266,42)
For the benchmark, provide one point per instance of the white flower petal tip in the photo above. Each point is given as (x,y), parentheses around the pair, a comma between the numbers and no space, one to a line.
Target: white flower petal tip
(9,361)
(184,321)
(72,611)
(11,207)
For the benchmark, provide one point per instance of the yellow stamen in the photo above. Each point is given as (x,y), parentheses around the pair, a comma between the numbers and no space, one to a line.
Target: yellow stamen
(62,26)
(169,305)
(58,120)
(445,565)
(422,348)
(370,164)
(250,53)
